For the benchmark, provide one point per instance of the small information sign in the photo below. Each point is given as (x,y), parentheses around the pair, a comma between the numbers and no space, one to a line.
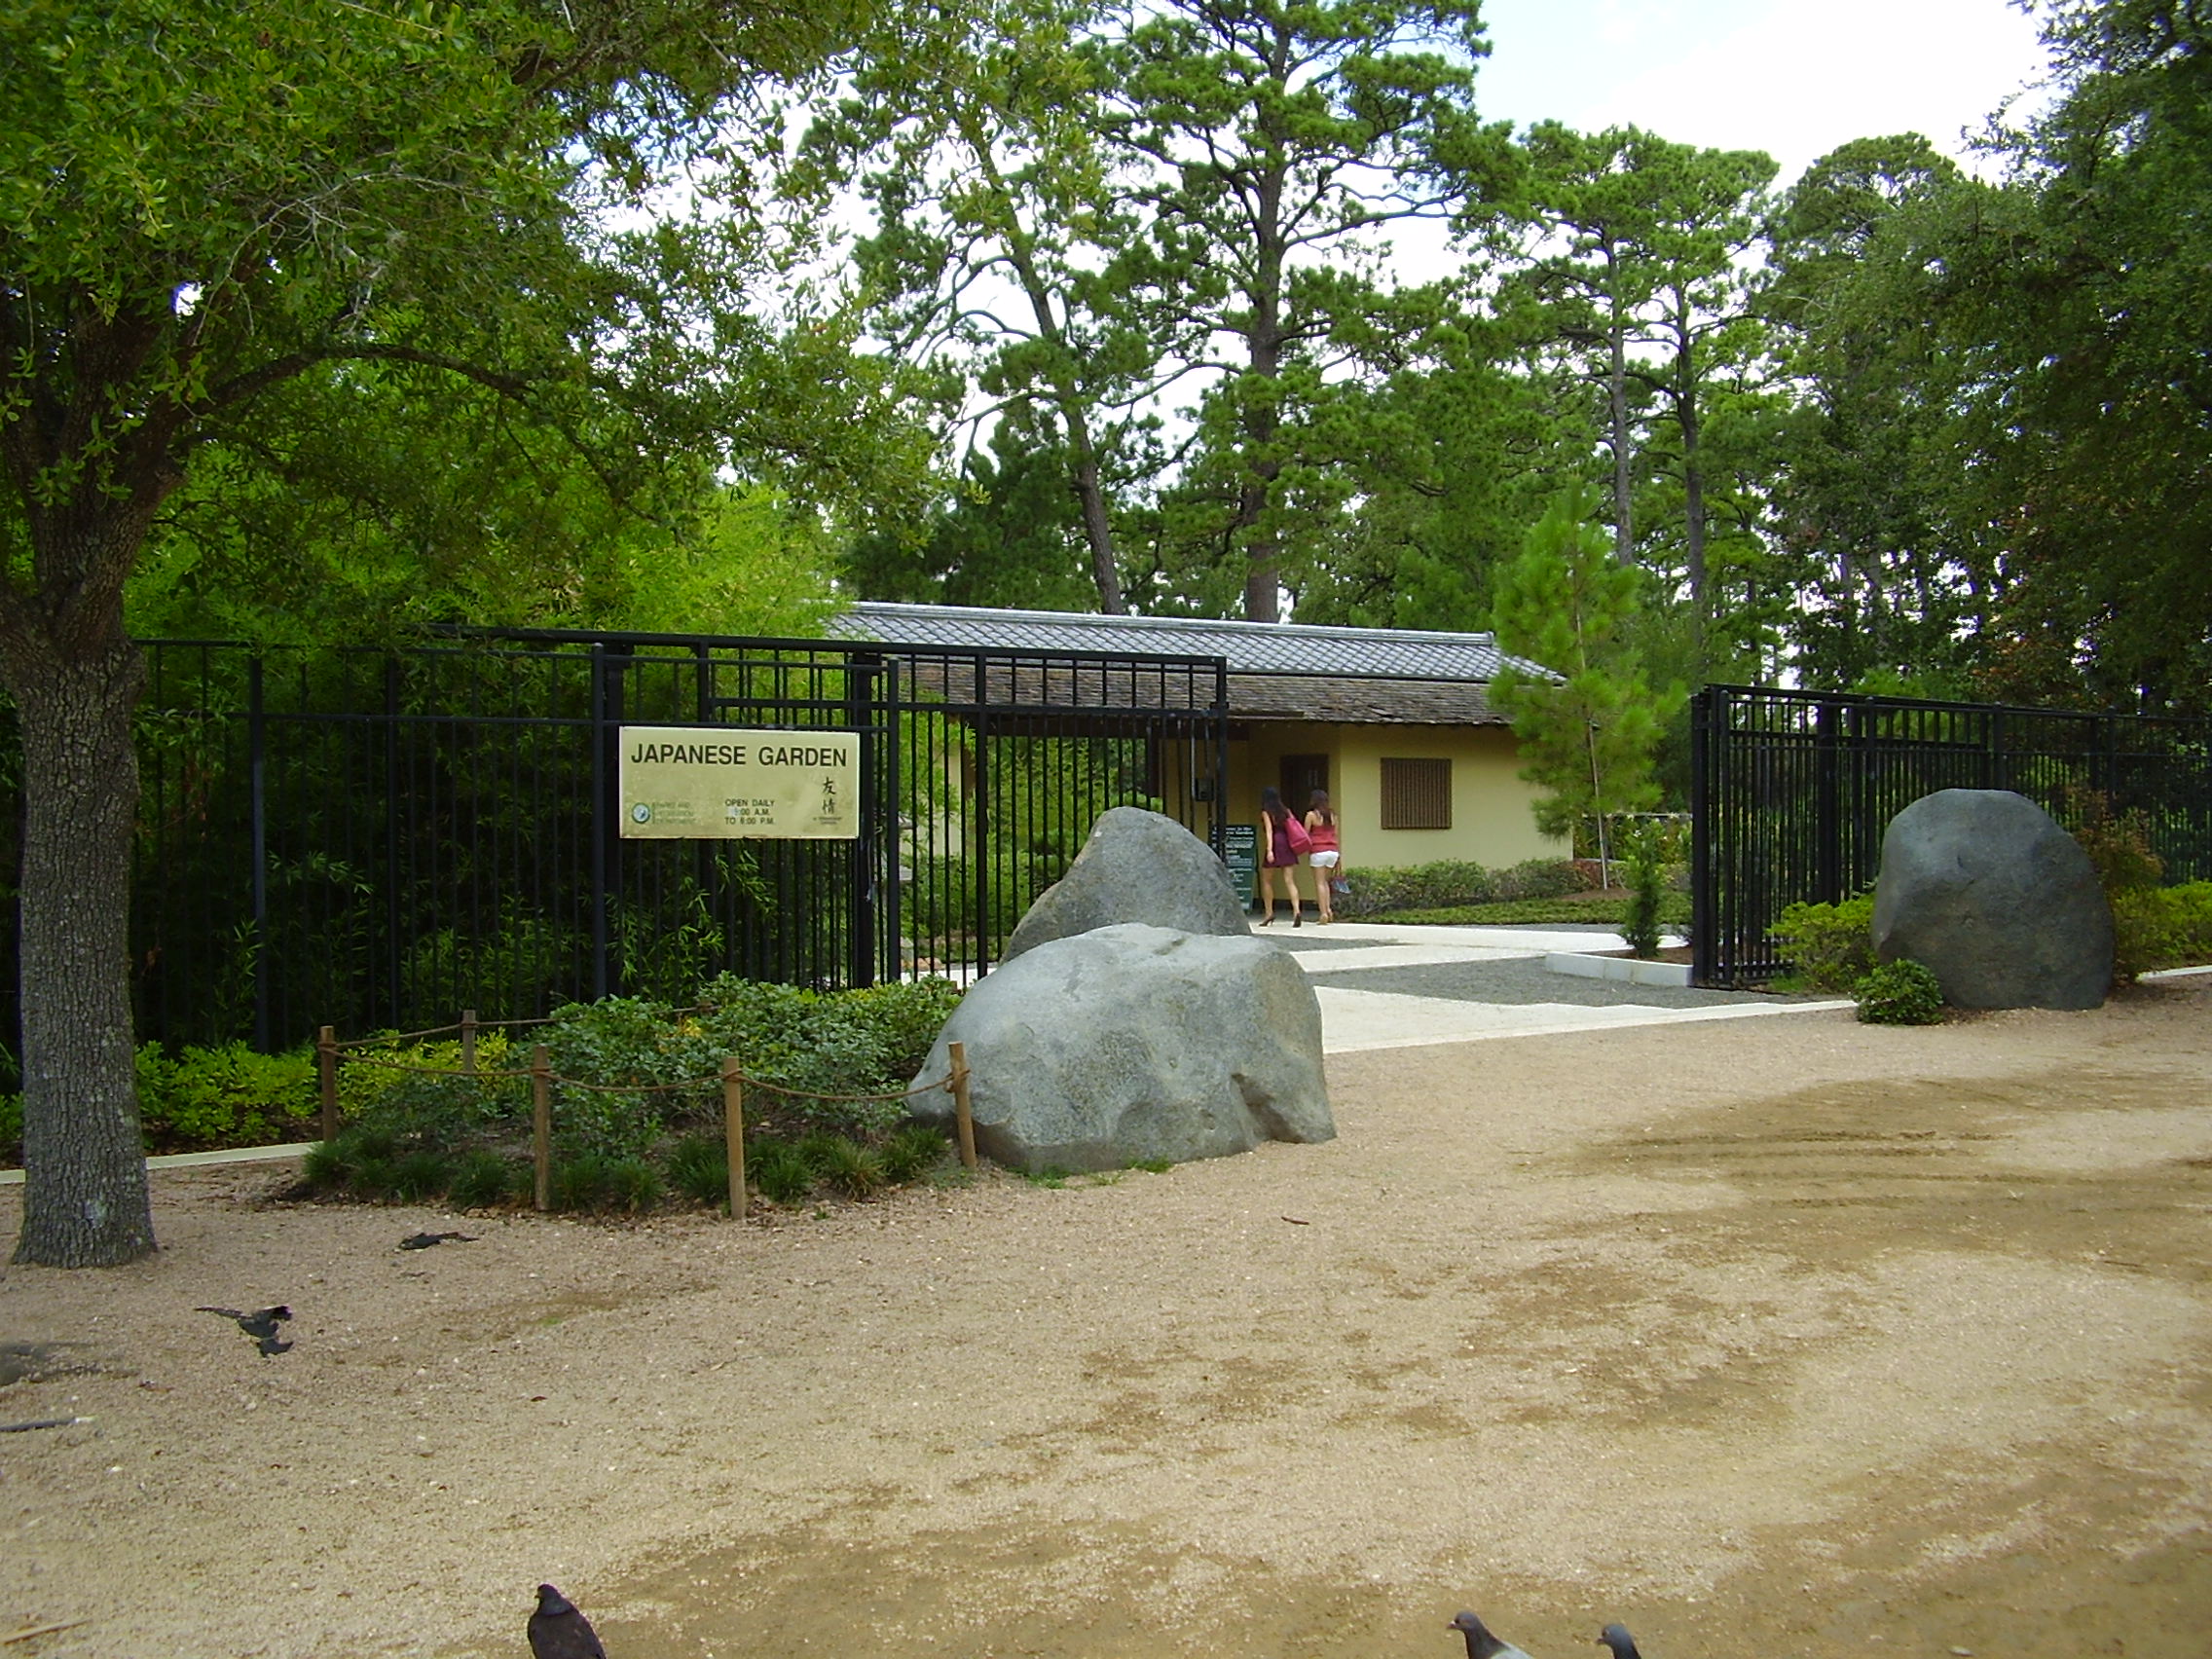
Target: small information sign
(721,782)
(1241,852)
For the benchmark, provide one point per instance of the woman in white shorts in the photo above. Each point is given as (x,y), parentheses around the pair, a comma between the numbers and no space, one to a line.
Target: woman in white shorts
(1327,855)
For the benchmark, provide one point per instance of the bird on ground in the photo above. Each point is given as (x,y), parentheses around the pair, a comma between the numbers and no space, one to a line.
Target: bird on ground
(260,1325)
(1481,1643)
(558,1630)
(423,1240)
(1617,1638)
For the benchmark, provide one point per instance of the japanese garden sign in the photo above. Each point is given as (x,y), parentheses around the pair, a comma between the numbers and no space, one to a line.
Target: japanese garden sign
(719,782)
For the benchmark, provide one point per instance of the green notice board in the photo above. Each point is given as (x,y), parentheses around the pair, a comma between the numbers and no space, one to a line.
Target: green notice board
(1242,852)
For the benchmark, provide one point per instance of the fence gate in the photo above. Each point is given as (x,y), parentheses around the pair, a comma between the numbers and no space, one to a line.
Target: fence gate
(377,839)
(1790,792)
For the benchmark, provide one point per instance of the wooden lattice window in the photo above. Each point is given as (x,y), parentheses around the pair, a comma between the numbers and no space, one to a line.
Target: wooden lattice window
(1416,794)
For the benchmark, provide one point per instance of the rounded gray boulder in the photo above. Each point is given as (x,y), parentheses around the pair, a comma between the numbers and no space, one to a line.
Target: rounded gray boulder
(1985,890)
(1135,867)
(1130,1043)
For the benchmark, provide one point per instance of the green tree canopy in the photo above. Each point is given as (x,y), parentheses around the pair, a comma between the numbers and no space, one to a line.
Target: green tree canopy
(203,207)
(1586,736)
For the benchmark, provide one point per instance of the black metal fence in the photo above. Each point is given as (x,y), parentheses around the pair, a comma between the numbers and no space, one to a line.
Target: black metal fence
(378,839)
(1791,793)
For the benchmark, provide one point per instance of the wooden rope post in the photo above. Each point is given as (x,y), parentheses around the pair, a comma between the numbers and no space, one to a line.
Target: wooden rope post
(468,1041)
(963,1114)
(733,1134)
(541,1126)
(326,1074)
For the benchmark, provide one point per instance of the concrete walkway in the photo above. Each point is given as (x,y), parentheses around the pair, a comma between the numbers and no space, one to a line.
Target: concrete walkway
(1385,986)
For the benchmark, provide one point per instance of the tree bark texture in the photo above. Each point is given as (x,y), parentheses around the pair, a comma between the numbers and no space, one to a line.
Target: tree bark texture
(1616,387)
(85,1194)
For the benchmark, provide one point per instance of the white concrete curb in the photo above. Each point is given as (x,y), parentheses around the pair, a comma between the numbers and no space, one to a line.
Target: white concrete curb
(1626,968)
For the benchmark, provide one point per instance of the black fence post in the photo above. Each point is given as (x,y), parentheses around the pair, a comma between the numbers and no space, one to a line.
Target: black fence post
(606,667)
(861,718)
(257,768)
(1828,817)
(1704,931)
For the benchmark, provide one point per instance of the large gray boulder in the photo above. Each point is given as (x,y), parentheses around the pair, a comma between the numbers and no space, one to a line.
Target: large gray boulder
(1134,1043)
(1136,866)
(1984,888)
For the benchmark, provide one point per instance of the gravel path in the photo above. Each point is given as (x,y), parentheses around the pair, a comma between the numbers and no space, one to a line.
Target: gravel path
(1779,1336)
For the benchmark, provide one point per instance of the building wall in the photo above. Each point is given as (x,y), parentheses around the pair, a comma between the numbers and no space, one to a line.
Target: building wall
(1492,817)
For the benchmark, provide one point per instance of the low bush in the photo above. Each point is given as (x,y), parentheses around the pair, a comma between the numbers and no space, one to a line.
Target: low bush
(637,1107)
(1830,946)
(2161,927)
(1453,883)
(206,1098)
(1673,913)
(1898,993)
(10,1130)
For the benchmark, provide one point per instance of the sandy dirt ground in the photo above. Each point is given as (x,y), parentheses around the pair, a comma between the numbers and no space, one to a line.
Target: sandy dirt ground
(1779,1336)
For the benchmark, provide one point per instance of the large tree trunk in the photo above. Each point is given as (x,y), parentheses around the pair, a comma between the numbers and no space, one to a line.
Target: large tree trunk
(1616,387)
(85,1196)
(1098,527)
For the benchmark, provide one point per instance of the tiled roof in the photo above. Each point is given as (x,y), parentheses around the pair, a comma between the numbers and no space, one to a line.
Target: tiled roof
(1300,649)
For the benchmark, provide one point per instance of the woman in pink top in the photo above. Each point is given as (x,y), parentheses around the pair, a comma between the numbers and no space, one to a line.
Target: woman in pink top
(1326,855)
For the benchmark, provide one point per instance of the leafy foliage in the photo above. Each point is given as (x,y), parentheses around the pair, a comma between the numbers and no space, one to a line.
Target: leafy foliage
(622,1138)
(1643,849)
(1902,992)
(1830,946)
(1586,737)
(1455,882)
(207,1098)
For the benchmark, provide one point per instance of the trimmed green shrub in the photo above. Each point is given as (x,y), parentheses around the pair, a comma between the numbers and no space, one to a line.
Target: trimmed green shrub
(1644,850)
(1830,946)
(10,1130)
(2162,927)
(1898,993)
(1540,878)
(1673,913)
(206,1098)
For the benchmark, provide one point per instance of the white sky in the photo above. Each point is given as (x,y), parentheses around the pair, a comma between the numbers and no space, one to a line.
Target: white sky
(1795,78)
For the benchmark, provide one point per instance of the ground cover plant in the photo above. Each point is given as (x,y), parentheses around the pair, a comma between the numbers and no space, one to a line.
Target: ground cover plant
(637,1102)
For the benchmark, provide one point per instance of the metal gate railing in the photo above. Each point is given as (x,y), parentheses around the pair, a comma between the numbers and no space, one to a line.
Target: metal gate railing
(1790,792)
(378,839)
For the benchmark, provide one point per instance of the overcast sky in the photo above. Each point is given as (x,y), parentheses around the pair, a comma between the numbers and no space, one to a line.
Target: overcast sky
(1795,78)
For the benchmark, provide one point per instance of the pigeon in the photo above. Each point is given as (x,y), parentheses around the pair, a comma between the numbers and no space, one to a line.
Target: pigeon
(557,1631)
(1481,1644)
(261,1326)
(423,1240)
(1617,1638)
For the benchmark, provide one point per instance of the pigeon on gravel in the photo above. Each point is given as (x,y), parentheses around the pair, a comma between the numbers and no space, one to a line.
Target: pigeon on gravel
(423,1240)
(1617,1638)
(1481,1644)
(557,1631)
(261,1326)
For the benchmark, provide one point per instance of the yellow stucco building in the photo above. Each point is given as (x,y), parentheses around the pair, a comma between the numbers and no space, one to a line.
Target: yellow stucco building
(1395,724)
